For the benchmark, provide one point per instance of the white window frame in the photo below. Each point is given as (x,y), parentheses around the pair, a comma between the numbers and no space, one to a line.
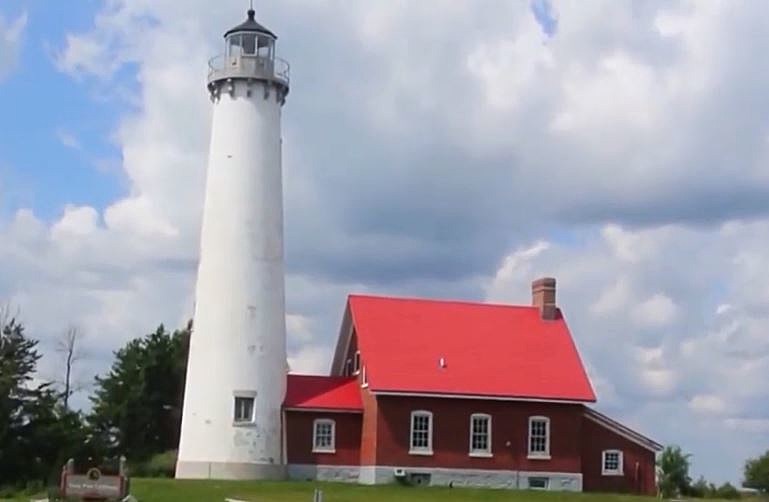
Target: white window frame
(543,455)
(356,363)
(244,395)
(363,377)
(323,449)
(474,452)
(620,471)
(421,450)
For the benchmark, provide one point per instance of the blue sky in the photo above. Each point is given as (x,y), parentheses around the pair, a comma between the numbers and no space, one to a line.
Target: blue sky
(621,147)
(43,108)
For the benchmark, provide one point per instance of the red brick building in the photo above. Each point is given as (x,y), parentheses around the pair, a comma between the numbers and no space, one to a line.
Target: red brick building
(463,394)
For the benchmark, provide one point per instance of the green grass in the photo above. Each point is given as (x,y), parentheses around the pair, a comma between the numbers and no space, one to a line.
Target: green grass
(168,490)
(157,490)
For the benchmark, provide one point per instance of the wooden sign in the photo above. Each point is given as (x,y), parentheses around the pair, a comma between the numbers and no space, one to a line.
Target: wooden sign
(93,485)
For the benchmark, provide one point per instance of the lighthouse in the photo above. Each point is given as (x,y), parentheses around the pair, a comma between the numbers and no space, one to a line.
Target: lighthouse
(236,374)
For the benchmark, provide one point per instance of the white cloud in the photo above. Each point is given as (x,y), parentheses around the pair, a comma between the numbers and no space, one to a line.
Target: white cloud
(515,269)
(707,404)
(657,310)
(11,35)
(749,425)
(75,222)
(614,298)
(311,360)
(68,139)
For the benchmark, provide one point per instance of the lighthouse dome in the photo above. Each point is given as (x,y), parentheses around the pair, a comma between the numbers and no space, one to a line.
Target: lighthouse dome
(250,26)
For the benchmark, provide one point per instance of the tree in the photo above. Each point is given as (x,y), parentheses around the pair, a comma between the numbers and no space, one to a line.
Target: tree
(674,472)
(757,473)
(36,432)
(69,348)
(726,491)
(137,405)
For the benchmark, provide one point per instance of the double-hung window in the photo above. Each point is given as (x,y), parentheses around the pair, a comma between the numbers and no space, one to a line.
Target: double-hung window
(611,463)
(421,437)
(539,437)
(480,435)
(323,436)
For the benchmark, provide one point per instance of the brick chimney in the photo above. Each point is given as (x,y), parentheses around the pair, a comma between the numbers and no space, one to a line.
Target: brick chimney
(543,296)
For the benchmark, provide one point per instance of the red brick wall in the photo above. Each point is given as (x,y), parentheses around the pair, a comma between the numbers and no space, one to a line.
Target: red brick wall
(638,462)
(368,439)
(299,438)
(451,431)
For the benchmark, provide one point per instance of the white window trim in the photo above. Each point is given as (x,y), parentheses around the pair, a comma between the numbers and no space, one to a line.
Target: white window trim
(536,455)
(620,471)
(315,447)
(429,449)
(356,368)
(363,377)
(480,453)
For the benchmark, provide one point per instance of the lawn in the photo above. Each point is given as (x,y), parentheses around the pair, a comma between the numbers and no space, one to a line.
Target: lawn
(156,490)
(168,490)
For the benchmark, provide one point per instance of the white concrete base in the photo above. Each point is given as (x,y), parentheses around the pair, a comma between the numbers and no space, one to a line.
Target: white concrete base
(475,478)
(229,470)
(334,473)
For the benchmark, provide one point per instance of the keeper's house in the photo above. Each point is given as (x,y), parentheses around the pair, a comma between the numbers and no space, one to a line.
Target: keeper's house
(443,392)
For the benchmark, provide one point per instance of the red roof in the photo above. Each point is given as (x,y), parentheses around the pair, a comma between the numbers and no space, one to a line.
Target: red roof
(323,393)
(487,350)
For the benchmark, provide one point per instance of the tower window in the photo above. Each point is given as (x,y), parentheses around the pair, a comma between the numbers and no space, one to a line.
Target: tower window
(244,410)
(249,44)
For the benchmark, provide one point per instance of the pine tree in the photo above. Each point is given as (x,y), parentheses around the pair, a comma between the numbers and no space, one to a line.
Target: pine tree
(137,405)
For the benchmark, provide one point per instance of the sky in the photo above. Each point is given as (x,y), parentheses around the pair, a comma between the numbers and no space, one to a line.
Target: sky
(442,149)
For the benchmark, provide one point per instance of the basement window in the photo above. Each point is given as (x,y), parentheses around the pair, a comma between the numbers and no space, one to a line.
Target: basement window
(480,435)
(539,437)
(611,463)
(539,483)
(421,440)
(323,436)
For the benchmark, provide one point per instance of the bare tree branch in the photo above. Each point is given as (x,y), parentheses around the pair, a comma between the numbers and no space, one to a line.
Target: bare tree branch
(68,345)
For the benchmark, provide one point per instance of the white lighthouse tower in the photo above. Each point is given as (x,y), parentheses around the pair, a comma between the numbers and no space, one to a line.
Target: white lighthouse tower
(236,375)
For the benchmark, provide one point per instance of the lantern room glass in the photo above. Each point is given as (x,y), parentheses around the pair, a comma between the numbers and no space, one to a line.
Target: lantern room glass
(250,44)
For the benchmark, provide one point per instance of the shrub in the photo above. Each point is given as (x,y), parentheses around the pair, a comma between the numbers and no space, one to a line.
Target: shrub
(727,491)
(161,465)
